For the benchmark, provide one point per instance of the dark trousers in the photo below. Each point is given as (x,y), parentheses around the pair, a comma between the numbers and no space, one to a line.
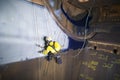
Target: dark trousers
(56,56)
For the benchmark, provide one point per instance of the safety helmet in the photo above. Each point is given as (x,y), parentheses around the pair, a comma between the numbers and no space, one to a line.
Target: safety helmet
(48,39)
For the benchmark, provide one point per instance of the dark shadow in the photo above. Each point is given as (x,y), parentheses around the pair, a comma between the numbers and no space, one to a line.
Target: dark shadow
(80,22)
(74,44)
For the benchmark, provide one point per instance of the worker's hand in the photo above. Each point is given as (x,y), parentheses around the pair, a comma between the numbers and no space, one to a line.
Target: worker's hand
(39,46)
(40,52)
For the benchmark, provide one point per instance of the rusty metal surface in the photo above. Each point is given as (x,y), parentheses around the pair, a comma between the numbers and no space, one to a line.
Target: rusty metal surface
(94,3)
(89,65)
(40,2)
(105,16)
(69,28)
(107,42)
(111,38)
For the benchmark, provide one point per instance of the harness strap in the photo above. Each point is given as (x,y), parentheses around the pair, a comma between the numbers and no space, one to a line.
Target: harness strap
(53,46)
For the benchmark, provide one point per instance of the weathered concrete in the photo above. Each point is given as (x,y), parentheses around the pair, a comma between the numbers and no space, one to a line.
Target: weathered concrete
(22,26)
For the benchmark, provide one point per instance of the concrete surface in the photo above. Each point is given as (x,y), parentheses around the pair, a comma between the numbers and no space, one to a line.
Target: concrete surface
(22,25)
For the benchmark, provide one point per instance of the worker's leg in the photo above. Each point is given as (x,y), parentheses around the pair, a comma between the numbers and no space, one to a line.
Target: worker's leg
(58,59)
(49,57)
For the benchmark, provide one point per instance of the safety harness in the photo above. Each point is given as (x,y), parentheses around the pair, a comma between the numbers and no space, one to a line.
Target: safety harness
(53,46)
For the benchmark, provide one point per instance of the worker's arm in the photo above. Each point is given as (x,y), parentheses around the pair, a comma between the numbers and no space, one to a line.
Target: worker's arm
(47,50)
(38,45)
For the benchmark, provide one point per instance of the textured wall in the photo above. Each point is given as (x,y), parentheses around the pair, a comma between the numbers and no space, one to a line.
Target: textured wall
(88,65)
(22,25)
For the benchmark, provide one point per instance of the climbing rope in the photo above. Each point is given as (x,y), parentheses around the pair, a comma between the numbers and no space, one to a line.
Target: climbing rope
(89,12)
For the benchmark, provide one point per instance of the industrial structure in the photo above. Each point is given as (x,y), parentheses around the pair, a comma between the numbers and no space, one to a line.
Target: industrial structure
(88,31)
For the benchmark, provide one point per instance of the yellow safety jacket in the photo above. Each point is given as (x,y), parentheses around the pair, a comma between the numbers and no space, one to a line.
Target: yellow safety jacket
(53,47)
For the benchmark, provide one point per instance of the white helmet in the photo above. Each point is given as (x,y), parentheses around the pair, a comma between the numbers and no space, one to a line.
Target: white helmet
(48,39)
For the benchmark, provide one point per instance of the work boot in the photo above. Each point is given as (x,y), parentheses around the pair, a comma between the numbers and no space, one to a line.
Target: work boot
(58,60)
